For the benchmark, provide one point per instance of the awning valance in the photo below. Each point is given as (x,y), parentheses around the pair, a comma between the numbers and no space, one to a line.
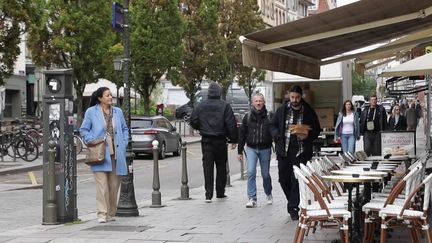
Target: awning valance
(301,46)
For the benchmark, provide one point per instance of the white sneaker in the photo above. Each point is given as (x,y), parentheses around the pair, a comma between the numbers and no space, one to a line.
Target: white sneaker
(269,199)
(110,219)
(251,204)
(102,220)
(208,200)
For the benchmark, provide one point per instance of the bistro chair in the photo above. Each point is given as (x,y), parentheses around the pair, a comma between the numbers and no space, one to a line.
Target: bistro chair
(323,214)
(415,219)
(372,208)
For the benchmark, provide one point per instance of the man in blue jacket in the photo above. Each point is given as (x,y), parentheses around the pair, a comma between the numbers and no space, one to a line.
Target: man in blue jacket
(215,120)
(293,149)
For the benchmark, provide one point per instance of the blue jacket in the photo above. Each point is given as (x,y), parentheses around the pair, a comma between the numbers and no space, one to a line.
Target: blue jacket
(93,127)
(338,127)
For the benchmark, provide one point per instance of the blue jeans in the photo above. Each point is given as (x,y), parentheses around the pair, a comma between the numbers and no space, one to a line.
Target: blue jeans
(252,157)
(348,143)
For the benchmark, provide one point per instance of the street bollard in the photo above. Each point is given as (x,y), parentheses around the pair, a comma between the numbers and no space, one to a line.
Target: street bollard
(156,195)
(184,188)
(50,216)
(228,179)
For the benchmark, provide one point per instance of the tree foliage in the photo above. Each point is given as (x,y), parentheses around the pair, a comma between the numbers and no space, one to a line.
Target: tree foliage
(14,17)
(236,18)
(200,17)
(156,33)
(73,34)
(362,85)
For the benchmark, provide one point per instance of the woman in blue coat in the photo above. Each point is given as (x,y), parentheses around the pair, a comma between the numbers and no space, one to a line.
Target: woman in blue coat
(103,120)
(347,127)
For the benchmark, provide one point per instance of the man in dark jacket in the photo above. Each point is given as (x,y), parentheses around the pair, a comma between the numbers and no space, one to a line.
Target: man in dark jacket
(255,132)
(373,120)
(215,120)
(293,149)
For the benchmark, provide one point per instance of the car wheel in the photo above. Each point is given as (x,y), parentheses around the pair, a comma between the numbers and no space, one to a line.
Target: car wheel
(162,152)
(179,147)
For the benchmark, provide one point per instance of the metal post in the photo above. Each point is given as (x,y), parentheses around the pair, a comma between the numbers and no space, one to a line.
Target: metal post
(184,188)
(127,205)
(156,195)
(228,180)
(50,216)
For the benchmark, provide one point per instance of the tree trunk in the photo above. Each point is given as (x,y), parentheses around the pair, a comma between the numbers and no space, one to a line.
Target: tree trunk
(146,97)
(79,106)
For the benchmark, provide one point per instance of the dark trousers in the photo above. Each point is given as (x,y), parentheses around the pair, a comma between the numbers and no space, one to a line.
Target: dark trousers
(372,143)
(214,151)
(287,179)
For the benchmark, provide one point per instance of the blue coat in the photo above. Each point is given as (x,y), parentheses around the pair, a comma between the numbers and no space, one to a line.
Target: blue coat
(338,127)
(93,127)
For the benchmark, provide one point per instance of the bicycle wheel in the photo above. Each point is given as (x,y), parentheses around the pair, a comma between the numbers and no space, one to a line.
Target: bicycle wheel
(27,150)
(35,135)
(78,143)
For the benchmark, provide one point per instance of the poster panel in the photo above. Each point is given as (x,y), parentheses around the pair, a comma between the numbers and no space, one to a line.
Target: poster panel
(398,143)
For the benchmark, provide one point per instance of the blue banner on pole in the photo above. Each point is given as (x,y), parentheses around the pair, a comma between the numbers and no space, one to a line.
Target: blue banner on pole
(117,17)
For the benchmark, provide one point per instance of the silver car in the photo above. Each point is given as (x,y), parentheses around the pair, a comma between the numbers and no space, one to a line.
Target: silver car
(145,130)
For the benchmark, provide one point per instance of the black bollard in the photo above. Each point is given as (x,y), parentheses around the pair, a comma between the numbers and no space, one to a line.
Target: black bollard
(184,194)
(156,195)
(228,180)
(50,216)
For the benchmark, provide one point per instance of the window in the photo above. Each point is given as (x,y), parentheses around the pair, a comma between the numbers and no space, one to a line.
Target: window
(315,5)
(136,124)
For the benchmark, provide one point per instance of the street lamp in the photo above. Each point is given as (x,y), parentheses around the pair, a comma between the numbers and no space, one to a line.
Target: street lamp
(117,68)
(127,205)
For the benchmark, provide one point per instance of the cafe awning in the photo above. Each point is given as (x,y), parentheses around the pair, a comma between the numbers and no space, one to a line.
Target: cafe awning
(418,66)
(301,46)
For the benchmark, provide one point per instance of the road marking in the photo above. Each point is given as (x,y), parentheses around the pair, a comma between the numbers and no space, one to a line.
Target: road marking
(32,178)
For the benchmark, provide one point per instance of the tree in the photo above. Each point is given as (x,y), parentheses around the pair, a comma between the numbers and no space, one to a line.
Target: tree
(14,16)
(235,19)
(200,18)
(73,34)
(156,34)
(363,85)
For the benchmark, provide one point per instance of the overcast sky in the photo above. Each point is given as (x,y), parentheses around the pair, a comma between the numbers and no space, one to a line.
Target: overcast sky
(344,2)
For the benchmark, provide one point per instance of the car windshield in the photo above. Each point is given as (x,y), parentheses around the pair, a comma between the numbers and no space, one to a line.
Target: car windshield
(136,124)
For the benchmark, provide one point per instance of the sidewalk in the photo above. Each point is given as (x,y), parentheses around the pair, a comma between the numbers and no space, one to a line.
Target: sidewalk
(223,220)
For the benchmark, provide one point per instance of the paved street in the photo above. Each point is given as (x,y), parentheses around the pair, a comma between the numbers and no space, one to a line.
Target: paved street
(179,221)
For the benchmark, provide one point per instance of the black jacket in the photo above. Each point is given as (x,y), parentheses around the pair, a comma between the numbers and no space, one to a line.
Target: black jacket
(380,117)
(255,130)
(401,125)
(215,118)
(277,128)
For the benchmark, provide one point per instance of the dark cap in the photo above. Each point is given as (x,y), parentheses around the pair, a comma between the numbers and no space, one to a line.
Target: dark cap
(214,90)
(296,89)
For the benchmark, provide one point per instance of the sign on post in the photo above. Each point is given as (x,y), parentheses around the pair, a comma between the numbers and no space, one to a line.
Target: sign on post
(398,143)
(117,17)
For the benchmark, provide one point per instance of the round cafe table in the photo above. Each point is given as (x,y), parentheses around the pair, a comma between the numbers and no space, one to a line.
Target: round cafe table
(391,158)
(359,172)
(355,208)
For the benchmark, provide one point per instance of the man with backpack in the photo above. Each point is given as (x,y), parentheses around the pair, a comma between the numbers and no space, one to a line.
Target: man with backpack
(255,133)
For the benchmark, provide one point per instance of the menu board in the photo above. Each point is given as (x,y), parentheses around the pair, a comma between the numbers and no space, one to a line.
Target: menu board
(398,143)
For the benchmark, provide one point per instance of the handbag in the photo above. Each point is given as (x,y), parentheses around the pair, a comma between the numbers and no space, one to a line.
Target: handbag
(95,152)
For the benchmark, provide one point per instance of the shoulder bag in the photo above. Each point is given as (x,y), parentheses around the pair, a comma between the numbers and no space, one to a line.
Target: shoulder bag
(96,152)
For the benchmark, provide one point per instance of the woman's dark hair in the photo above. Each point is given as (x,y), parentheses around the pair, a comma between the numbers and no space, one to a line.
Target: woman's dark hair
(94,100)
(344,112)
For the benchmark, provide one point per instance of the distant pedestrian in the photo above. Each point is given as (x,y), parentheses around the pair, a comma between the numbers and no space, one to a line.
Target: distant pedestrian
(373,120)
(419,111)
(255,133)
(103,120)
(347,127)
(397,121)
(411,116)
(403,108)
(215,120)
(293,127)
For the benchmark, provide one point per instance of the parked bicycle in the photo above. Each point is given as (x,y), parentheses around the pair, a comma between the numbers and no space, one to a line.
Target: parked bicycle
(19,144)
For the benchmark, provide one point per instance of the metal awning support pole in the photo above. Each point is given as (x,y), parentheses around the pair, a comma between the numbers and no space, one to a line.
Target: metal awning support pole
(428,115)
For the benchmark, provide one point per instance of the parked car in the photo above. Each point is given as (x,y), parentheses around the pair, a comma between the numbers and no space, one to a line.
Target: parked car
(146,129)
(387,106)
(235,97)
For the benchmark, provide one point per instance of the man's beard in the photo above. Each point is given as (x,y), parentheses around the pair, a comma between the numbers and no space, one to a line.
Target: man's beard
(295,104)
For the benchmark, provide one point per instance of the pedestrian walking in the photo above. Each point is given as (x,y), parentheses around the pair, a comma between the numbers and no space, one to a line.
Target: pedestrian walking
(411,116)
(419,111)
(347,127)
(397,121)
(215,120)
(293,127)
(373,120)
(255,133)
(104,121)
